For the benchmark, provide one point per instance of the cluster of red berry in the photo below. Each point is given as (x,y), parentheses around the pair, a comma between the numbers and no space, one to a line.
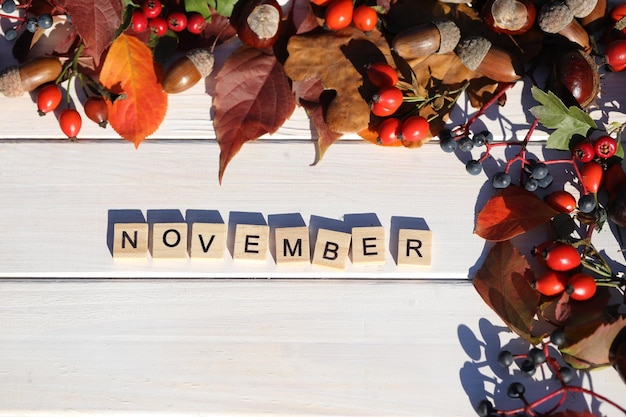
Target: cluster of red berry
(587,150)
(339,14)
(49,97)
(153,16)
(386,102)
(561,259)
(614,39)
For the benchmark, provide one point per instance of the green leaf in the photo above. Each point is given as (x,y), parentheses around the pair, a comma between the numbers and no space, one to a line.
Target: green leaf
(617,127)
(198,6)
(580,115)
(548,117)
(223,7)
(566,122)
(559,139)
(548,99)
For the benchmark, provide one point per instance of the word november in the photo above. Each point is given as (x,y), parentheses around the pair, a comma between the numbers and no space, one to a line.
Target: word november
(331,248)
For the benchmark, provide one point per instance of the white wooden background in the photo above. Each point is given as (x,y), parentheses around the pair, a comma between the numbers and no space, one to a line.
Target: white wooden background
(83,334)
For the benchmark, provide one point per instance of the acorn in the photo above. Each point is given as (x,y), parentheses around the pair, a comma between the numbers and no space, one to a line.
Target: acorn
(509,17)
(590,12)
(258,22)
(439,37)
(478,54)
(187,70)
(556,18)
(17,80)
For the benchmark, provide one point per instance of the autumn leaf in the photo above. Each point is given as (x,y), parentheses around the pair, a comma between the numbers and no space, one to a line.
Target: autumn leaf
(588,345)
(96,22)
(310,95)
(252,97)
(129,70)
(339,59)
(504,283)
(511,212)
(574,413)
(302,17)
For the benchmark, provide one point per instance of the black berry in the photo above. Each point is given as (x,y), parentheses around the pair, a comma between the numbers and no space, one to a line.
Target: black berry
(537,355)
(505,358)
(501,180)
(465,144)
(473,167)
(516,390)
(557,337)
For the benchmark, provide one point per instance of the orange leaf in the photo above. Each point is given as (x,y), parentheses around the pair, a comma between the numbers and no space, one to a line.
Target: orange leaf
(129,69)
(511,212)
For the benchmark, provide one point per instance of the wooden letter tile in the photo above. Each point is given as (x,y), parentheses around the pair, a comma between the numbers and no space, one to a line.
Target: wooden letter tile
(251,242)
(368,245)
(292,245)
(208,240)
(414,247)
(331,248)
(169,240)
(130,240)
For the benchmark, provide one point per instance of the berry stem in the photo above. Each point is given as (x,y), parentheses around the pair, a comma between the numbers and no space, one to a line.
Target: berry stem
(502,89)
(8,16)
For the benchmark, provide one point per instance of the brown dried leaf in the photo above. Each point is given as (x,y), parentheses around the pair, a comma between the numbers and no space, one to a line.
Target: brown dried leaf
(339,59)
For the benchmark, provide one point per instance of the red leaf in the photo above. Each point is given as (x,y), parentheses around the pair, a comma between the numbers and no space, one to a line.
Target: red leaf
(588,345)
(128,69)
(511,212)
(504,283)
(96,22)
(573,413)
(252,97)
(302,16)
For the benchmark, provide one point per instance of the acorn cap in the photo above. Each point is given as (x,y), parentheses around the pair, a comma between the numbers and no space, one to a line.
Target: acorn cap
(203,60)
(554,16)
(10,82)
(581,8)
(450,35)
(472,50)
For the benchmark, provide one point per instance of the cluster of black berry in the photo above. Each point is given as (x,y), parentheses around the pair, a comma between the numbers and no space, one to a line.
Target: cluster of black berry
(466,143)
(528,363)
(537,175)
(32,23)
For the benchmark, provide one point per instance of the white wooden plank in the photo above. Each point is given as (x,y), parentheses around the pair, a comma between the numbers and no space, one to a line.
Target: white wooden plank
(253,347)
(57,198)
